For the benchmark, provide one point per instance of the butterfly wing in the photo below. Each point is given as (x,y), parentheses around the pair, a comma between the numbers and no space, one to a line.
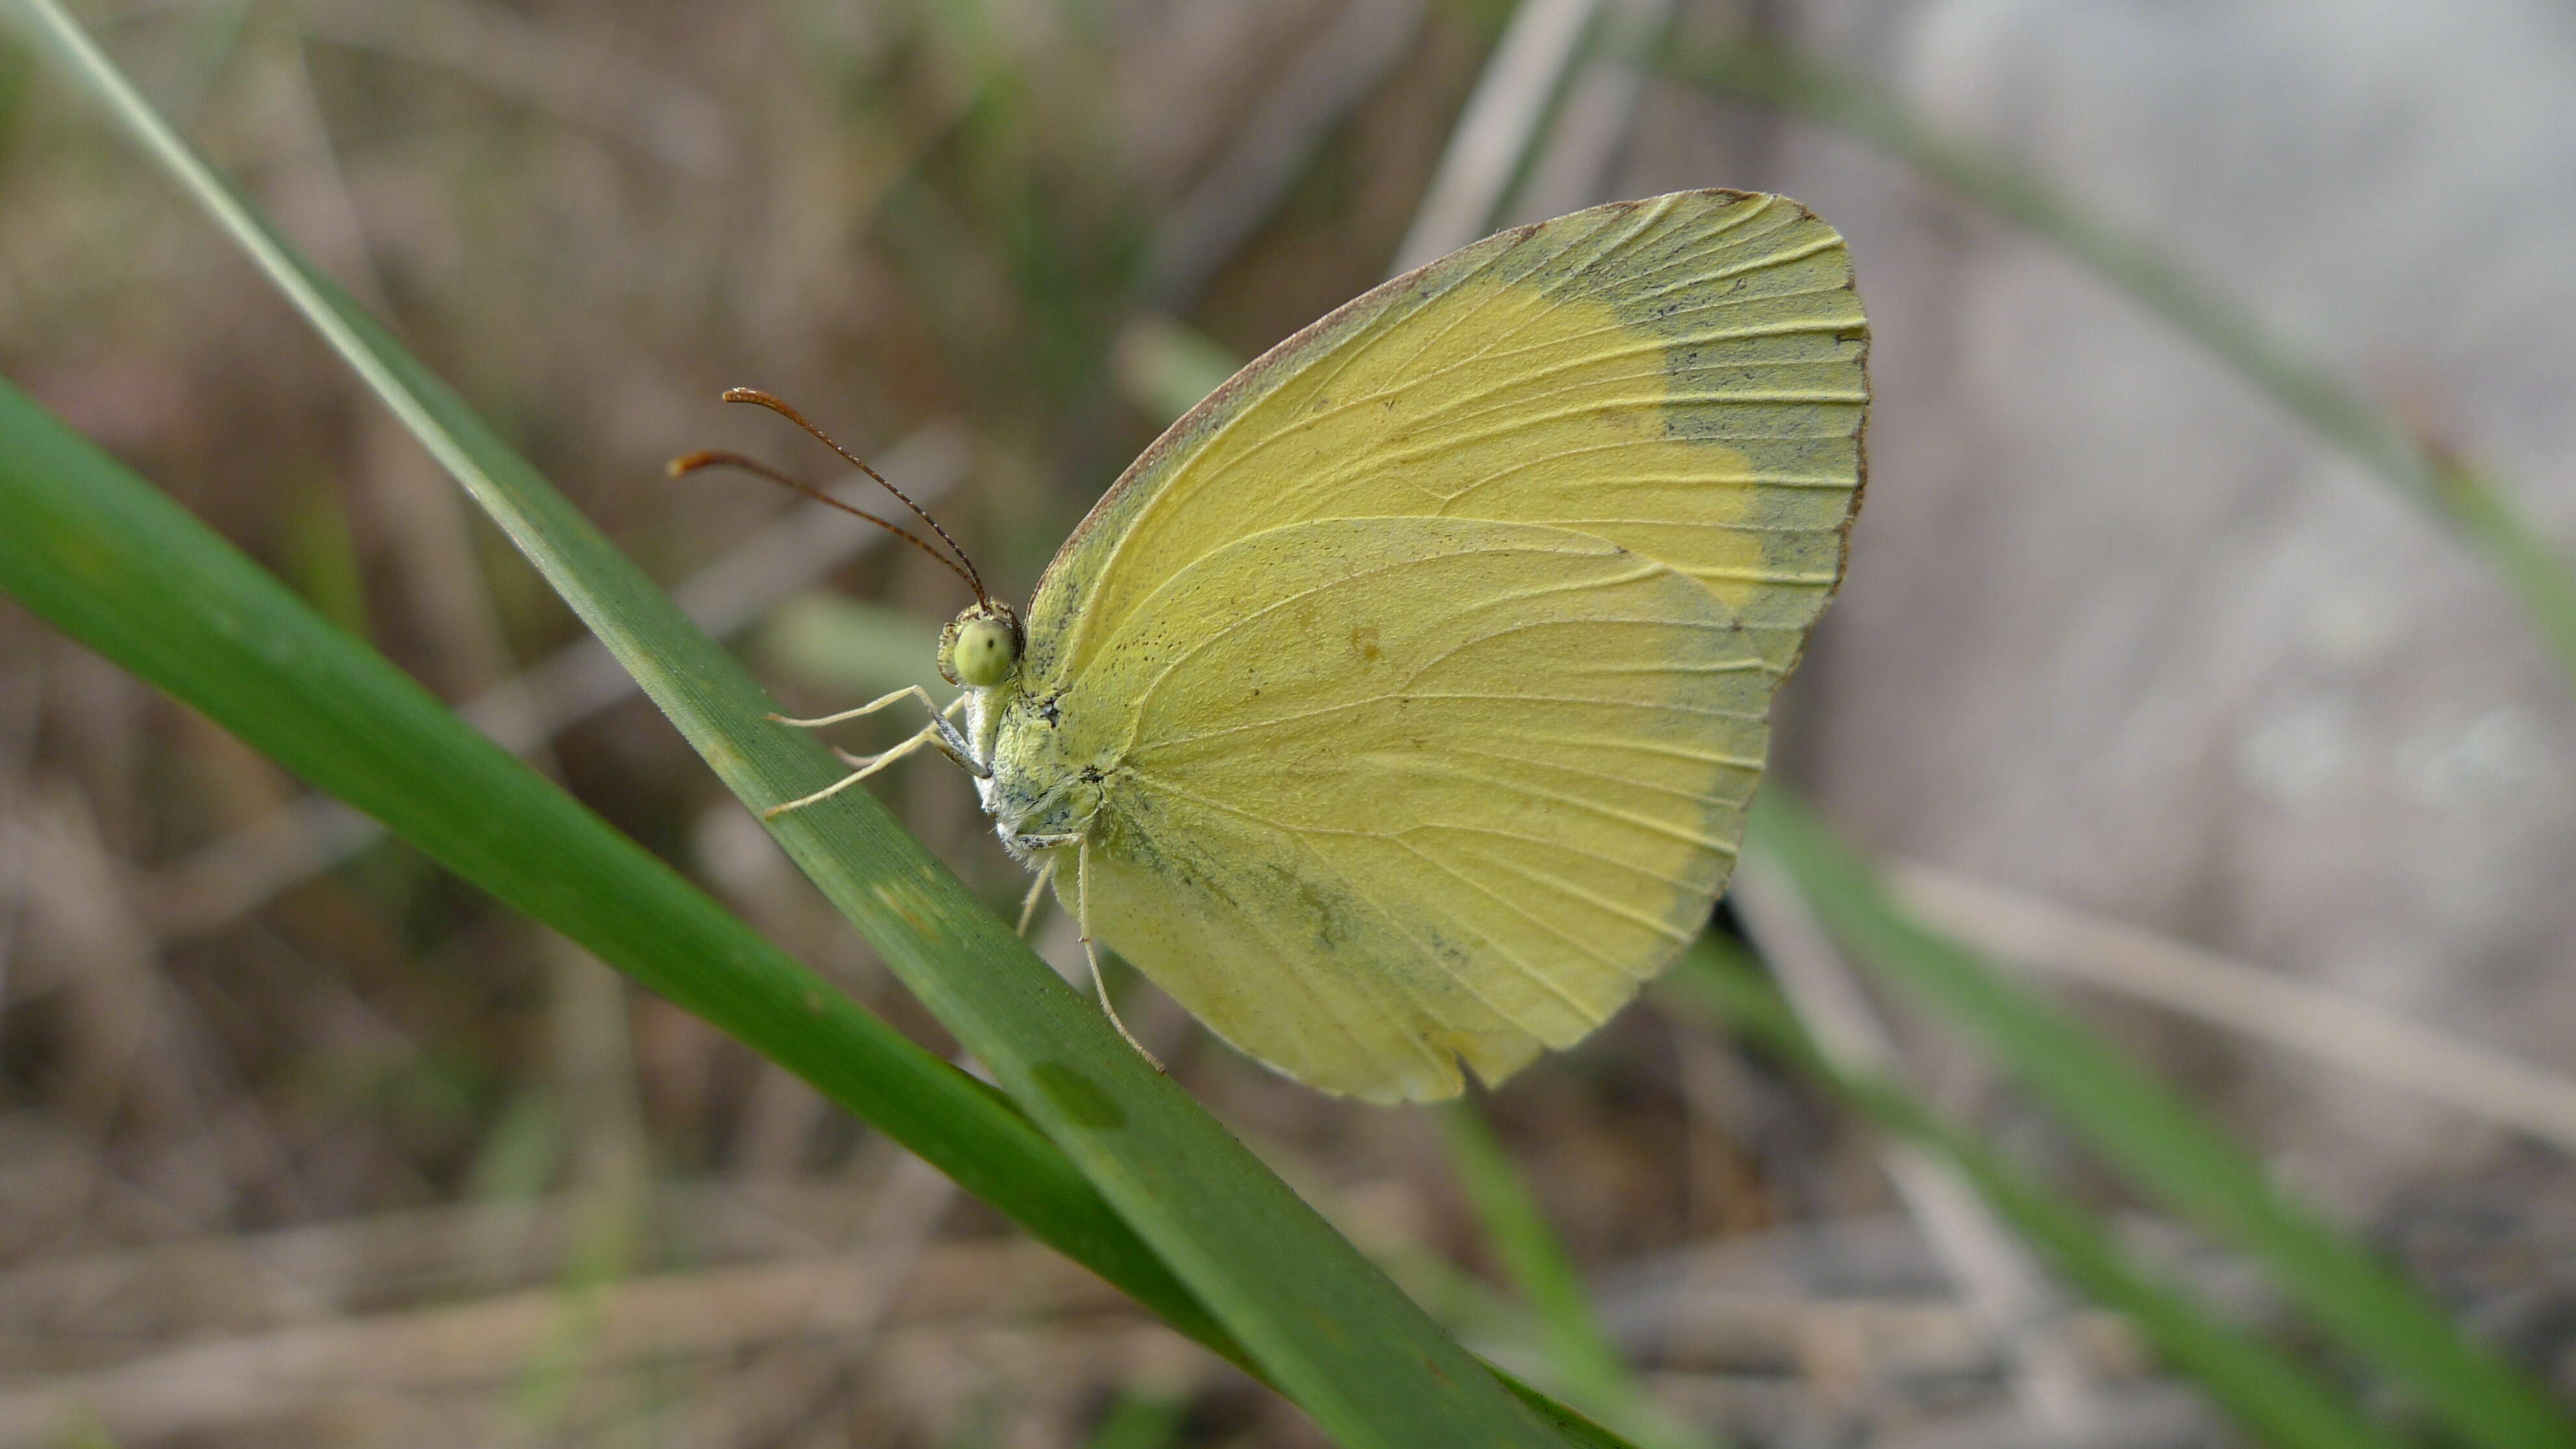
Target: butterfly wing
(1681,375)
(1592,478)
(1381,794)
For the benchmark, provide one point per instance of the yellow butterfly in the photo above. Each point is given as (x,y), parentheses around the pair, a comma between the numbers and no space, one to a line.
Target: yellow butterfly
(1402,704)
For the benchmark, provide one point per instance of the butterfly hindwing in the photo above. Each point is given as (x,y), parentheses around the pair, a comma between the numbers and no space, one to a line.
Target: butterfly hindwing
(1381,793)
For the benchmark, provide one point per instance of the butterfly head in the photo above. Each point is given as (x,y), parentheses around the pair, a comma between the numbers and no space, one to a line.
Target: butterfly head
(981,648)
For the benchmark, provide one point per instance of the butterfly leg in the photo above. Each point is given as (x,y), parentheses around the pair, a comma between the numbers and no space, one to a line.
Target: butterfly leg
(1037,892)
(1082,910)
(937,734)
(914,691)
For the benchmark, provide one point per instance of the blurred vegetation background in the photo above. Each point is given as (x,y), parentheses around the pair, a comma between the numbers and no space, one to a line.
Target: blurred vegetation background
(2141,679)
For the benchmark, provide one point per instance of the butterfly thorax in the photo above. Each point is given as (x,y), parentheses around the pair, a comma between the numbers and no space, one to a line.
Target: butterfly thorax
(1040,793)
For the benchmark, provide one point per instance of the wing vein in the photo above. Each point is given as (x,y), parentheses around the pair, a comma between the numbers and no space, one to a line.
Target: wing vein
(1606,812)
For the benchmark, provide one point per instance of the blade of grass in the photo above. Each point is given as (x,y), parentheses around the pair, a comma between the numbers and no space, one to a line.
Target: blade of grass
(2154,1136)
(1569,1423)
(1517,1231)
(1593,1372)
(1491,140)
(2277,1402)
(1327,1328)
(2536,570)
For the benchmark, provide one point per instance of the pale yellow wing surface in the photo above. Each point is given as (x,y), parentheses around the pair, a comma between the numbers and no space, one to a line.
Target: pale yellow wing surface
(1383,794)
(1682,376)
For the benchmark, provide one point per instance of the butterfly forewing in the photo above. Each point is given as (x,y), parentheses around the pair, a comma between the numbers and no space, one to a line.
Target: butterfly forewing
(1682,375)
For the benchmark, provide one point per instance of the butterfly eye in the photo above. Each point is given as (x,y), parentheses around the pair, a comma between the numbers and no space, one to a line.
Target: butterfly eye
(982,652)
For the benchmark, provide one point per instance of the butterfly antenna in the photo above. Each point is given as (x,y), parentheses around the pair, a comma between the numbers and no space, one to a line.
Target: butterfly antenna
(974,579)
(692,462)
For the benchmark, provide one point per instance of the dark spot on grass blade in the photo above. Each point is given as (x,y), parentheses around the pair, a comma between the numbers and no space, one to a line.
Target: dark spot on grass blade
(1079,1097)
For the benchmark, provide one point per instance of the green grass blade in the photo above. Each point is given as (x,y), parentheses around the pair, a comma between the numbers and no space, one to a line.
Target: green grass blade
(2164,1145)
(113,562)
(2277,1402)
(1593,1373)
(2537,571)
(1517,1232)
(1324,1324)
(1567,1422)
